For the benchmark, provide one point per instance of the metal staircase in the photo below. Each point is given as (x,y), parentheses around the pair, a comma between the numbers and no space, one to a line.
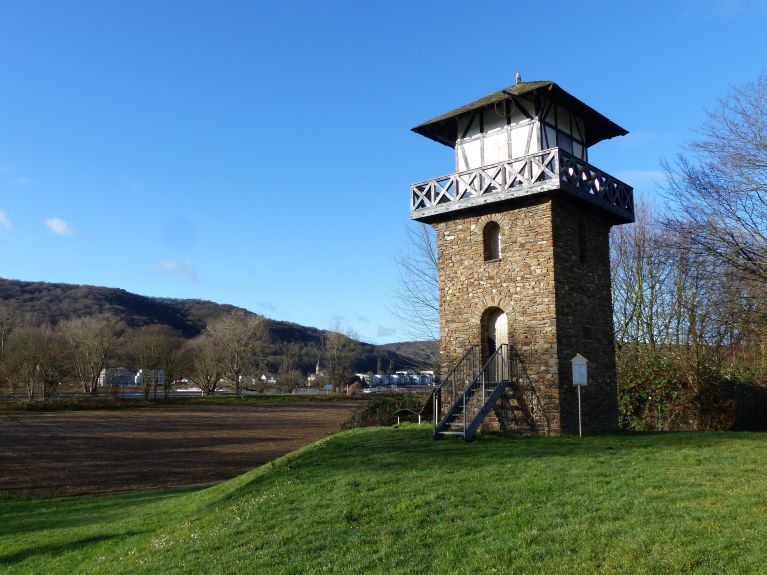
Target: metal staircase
(469,392)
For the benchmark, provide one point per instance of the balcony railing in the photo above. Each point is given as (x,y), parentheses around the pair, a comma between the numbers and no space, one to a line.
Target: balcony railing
(548,170)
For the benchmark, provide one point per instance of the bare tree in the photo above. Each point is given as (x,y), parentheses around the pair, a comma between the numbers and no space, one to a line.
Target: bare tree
(155,348)
(36,359)
(241,338)
(642,279)
(339,351)
(665,291)
(416,304)
(178,362)
(288,378)
(288,375)
(8,320)
(206,363)
(51,362)
(719,190)
(90,342)
(683,317)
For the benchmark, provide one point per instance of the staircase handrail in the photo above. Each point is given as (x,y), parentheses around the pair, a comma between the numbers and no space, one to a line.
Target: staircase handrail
(439,421)
(436,415)
(479,377)
(514,374)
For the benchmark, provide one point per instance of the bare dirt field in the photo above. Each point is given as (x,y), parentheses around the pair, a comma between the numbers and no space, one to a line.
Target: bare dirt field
(83,452)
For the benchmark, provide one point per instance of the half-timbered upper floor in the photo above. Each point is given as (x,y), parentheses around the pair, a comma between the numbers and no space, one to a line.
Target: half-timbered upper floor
(530,138)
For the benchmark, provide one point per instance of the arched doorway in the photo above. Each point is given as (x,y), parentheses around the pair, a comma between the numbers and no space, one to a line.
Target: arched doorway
(495,333)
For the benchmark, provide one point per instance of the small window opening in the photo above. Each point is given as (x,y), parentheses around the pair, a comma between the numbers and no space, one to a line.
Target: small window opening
(583,254)
(491,235)
(565,142)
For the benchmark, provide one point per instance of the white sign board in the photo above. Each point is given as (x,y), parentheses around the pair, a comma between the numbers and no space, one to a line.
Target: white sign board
(580,370)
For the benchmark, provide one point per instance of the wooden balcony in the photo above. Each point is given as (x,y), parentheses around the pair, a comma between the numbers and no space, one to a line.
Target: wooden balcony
(549,171)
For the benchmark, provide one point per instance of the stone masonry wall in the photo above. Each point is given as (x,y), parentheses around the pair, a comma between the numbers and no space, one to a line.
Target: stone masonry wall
(521,283)
(584,316)
(555,306)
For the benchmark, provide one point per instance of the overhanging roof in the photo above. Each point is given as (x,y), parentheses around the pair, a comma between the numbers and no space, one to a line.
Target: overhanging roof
(444,128)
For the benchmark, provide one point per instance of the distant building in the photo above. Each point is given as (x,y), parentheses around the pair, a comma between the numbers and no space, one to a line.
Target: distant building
(118,376)
(399,378)
(312,378)
(150,375)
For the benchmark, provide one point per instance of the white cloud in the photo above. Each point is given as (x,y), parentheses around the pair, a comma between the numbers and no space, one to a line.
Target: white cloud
(23,181)
(182,267)
(4,168)
(5,222)
(59,226)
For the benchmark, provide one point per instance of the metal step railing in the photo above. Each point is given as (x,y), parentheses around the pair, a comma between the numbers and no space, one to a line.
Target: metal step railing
(449,389)
(477,399)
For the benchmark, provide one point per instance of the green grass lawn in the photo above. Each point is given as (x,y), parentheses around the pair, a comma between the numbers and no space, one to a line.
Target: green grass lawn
(386,500)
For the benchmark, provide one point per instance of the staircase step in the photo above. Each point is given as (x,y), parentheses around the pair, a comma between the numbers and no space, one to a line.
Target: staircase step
(479,395)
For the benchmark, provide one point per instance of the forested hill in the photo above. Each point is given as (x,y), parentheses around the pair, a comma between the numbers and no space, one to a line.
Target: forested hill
(54,302)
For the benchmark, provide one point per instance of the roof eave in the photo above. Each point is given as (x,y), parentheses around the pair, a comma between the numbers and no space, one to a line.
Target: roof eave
(602,127)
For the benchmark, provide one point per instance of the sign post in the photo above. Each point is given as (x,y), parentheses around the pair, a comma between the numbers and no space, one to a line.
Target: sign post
(580,378)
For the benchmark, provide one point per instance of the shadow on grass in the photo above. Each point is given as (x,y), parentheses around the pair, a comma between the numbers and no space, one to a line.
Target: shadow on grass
(25,515)
(69,546)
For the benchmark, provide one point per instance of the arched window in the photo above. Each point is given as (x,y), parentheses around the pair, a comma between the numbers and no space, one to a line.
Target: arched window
(491,236)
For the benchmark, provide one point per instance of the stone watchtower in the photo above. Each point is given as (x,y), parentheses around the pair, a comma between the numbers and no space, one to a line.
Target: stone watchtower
(524,263)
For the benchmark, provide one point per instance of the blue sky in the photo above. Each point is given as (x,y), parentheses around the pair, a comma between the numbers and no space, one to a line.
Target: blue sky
(259,153)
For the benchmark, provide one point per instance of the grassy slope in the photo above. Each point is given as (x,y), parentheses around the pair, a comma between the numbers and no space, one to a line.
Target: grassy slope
(393,501)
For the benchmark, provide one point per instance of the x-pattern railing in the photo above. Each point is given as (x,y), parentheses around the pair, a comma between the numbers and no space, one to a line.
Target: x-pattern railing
(548,165)
(593,182)
(524,171)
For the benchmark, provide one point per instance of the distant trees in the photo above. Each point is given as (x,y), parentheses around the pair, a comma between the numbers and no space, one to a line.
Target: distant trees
(8,318)
(689,295)
(207,366)
(690,329)
(241,338)
(289,377)
(7,322)
(27,353)
(177,361)
(233,350)
(154,348)
(32,355)
(339,351)
(230,347)
(40,357)
(90,342)
(36,359)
